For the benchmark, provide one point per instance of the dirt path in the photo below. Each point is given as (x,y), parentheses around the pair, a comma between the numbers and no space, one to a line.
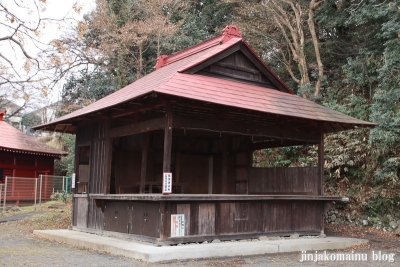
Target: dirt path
(21,216)
(20,248)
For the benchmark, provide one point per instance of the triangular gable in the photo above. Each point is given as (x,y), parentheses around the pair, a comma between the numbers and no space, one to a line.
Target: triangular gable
(235,60)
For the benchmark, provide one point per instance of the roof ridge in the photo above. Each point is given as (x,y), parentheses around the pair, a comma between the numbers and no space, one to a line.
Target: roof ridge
(164,60)
(228,33)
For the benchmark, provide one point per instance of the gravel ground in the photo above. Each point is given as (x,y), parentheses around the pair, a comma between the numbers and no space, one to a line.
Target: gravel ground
(20,248)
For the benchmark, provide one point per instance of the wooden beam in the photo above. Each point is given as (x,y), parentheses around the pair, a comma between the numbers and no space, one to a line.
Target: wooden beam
(143,168)
(279,143)
(231,66)
(232,127)
(214,59)
(151,105)
(168,138)
(140,127)
(262,68)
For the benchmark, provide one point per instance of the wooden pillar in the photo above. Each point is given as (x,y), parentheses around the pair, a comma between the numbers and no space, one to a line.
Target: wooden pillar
(177,167)
(320,166)
(224,164)
(168,139)
(163,221)
(107,157)
(210,174)
(74,189)
(108,161)
(143,168)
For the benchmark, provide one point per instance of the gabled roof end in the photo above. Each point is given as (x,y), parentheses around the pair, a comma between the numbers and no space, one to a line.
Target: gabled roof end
(160,61)
(230,31)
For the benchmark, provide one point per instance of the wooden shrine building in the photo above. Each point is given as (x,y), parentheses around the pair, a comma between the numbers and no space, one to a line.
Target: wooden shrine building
(199,115)
(23,156)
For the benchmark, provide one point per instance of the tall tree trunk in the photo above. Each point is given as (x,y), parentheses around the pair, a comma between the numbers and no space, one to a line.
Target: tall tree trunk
(289,17)
(313,5)
(140,61)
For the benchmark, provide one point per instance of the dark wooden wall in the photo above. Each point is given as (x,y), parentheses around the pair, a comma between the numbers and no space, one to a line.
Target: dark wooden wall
(284,181)
(207,220)
(127,171)
(94,151)
(246,217)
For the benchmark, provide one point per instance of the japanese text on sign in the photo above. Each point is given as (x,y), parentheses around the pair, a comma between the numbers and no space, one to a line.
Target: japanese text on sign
(177,225)
(167,183)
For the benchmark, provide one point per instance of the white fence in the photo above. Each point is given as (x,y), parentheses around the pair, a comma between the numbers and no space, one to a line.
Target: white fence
(20,189)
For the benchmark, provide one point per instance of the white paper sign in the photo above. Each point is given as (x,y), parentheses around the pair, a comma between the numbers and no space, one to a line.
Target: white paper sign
(167,183)
(177,225)
(73,180)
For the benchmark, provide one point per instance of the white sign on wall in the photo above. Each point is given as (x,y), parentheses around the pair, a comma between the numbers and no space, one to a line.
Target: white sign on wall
(73,180)
(167,183)
(177,225)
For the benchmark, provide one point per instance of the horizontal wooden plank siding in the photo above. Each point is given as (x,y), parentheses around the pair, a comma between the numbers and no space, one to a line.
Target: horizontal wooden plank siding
(206,220)
(295,180)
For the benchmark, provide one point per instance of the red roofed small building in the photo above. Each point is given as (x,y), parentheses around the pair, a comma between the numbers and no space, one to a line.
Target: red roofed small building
(23,156)
(197,119)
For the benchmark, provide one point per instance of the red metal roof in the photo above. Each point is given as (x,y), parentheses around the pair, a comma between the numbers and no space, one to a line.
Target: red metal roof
(169,79)
(236,94)
(13,140)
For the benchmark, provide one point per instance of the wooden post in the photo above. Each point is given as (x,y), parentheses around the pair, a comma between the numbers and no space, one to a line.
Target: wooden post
(321,162)
(73,186)
(224,164)
(168,139)
(108,157)
(249,166)
(177,167)
(210,174)
(162,224)
(143,169)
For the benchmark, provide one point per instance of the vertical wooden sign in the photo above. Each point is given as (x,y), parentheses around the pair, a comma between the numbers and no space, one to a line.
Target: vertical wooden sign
(167,183)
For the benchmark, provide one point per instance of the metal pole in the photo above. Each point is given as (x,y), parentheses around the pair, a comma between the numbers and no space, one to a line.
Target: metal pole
(5,194)
(35,191)
(40,192)
(63,187)
(67,184)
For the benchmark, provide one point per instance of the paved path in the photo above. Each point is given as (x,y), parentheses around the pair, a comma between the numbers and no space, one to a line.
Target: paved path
(19,216)
(18,248)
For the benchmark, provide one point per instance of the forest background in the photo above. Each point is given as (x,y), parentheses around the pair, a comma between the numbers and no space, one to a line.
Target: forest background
(343,54)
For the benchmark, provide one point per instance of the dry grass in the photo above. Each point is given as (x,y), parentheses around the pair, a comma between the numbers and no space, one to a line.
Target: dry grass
(59,218)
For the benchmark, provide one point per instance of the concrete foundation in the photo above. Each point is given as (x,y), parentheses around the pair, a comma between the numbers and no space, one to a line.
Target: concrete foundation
(150,253)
